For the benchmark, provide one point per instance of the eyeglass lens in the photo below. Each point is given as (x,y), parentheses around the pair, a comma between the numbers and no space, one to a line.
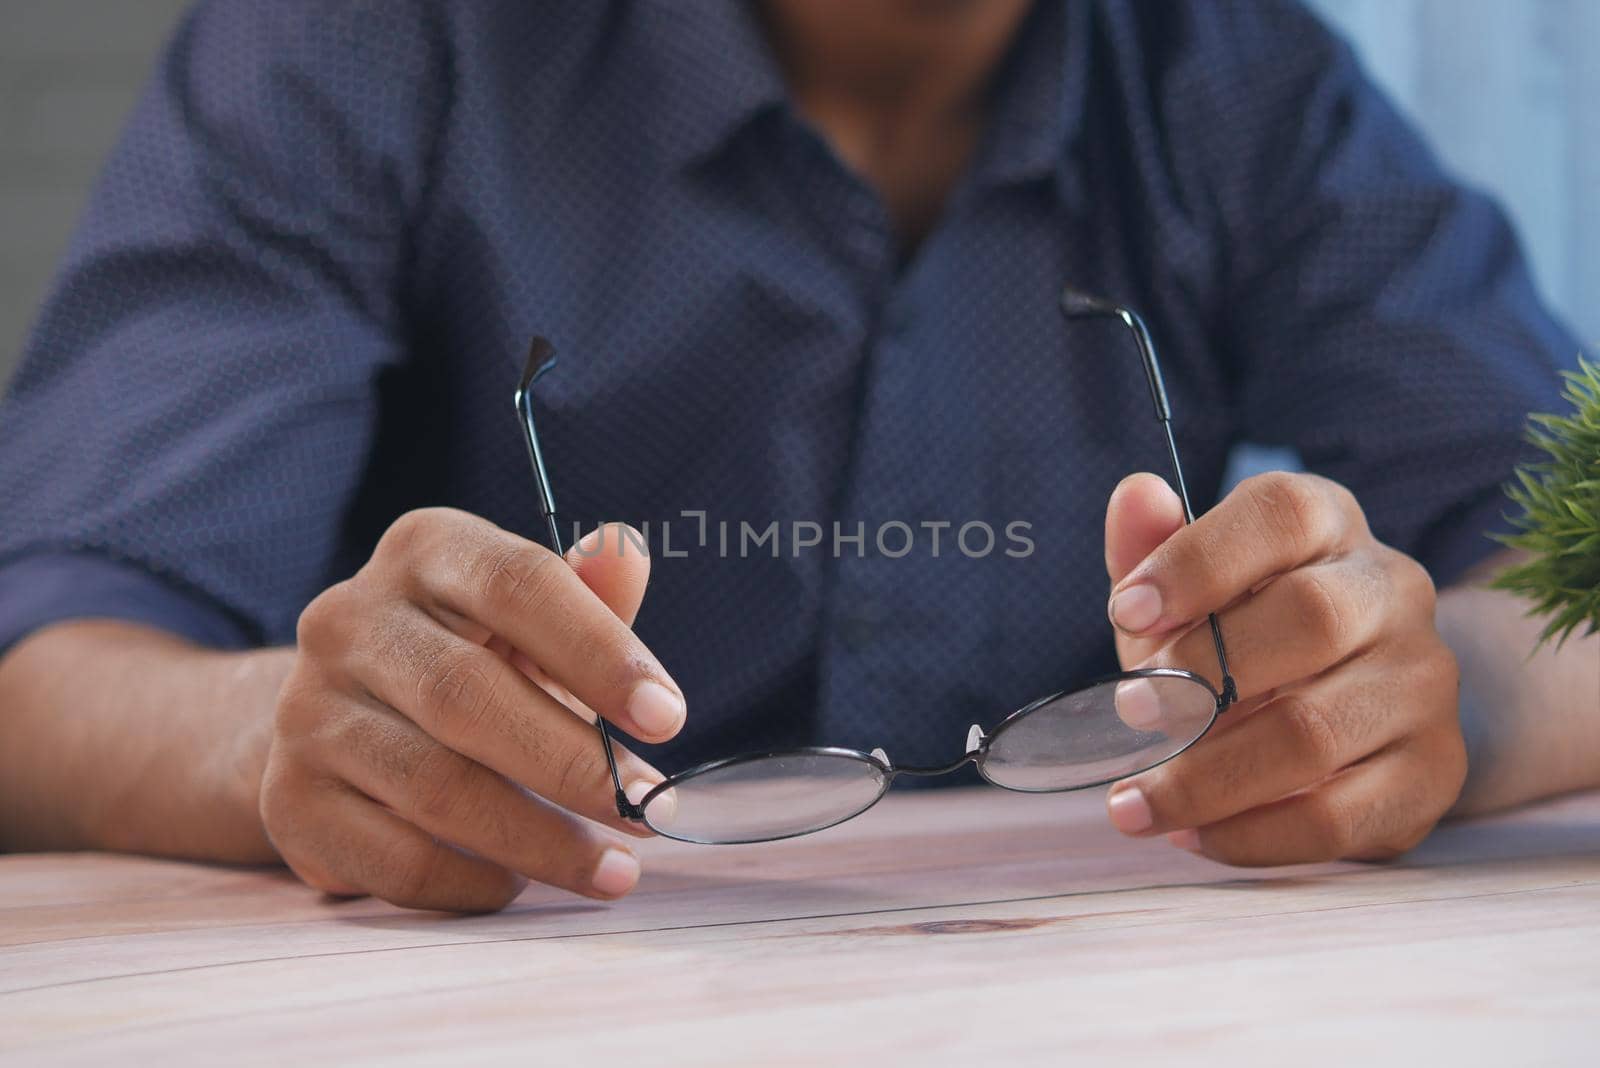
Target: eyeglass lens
(1099,734)
(1078,739)
(762,798)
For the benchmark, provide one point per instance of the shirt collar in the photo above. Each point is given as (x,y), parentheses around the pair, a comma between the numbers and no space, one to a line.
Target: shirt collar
(1038,106)
(721,74)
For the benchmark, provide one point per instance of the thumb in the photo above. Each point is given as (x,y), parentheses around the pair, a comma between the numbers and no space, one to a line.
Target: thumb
(1143,512)
(614,562)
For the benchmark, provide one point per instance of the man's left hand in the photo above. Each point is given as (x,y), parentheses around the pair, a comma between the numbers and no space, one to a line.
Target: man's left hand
(1345,740)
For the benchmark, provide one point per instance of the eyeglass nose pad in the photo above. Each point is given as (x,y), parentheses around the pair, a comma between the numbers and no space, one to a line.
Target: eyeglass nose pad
(881,757)
(974,739)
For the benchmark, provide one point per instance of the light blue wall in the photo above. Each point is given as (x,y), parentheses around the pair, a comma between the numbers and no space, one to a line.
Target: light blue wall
(1508,92)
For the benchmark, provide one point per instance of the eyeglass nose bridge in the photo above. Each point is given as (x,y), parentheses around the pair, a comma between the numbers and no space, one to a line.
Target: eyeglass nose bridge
(976,743)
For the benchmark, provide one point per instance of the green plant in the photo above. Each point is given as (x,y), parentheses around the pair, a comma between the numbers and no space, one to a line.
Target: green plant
(1559,527)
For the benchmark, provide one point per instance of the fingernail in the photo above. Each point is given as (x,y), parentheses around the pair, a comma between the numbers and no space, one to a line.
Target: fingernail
(616,873)
(657,710)
(637,790)
(1130,812)
(1136,608)
(1138,704)
(1189,839)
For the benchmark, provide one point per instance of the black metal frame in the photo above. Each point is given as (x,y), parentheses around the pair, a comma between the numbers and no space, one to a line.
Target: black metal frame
(1074,305)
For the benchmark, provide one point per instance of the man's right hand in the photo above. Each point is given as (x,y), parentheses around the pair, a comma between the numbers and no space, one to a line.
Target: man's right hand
(434,742)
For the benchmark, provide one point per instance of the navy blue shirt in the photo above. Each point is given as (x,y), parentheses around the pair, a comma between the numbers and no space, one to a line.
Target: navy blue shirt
(303,289)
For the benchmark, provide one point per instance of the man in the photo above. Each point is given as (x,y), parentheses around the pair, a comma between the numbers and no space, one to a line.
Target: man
(802,260)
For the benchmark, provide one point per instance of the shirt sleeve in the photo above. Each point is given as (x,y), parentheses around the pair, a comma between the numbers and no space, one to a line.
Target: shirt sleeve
(1380,316)
(196,403)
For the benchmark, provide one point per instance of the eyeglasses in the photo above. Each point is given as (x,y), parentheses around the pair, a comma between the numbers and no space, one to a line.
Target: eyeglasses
(1114,727)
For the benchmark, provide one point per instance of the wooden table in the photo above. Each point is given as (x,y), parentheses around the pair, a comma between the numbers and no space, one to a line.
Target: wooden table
(971,926)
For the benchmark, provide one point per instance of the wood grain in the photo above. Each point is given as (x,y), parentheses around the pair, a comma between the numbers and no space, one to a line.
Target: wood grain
(968,926)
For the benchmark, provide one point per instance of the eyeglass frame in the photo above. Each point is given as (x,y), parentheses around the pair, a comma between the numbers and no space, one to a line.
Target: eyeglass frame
(1074,305)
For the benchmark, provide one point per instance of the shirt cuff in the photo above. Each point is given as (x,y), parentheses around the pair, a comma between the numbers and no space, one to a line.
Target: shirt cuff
(41,589)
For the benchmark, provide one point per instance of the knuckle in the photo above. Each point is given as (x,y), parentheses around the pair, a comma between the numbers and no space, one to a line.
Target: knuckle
(391,754)
(1323,608)
(1408,839)
(442,786)
(287,808)
(1334,822)
(1442,675)
(428,874)
(494,893)
(456,690)
(322,622)
(1402,840)
(300,706)
(410,874)
(328,729)
(1430,795)
(1426,684)
(1315,738)
(1338,495)
(315,870)
(1412,583)
(523,579)
(412,533)
(1291,508)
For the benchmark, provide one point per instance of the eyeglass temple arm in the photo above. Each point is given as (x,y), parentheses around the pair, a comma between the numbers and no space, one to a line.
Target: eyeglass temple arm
(1077,305)
(542,357)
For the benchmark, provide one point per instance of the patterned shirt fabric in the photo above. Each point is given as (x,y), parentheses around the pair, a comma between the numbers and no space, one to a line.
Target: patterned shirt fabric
(303,290)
